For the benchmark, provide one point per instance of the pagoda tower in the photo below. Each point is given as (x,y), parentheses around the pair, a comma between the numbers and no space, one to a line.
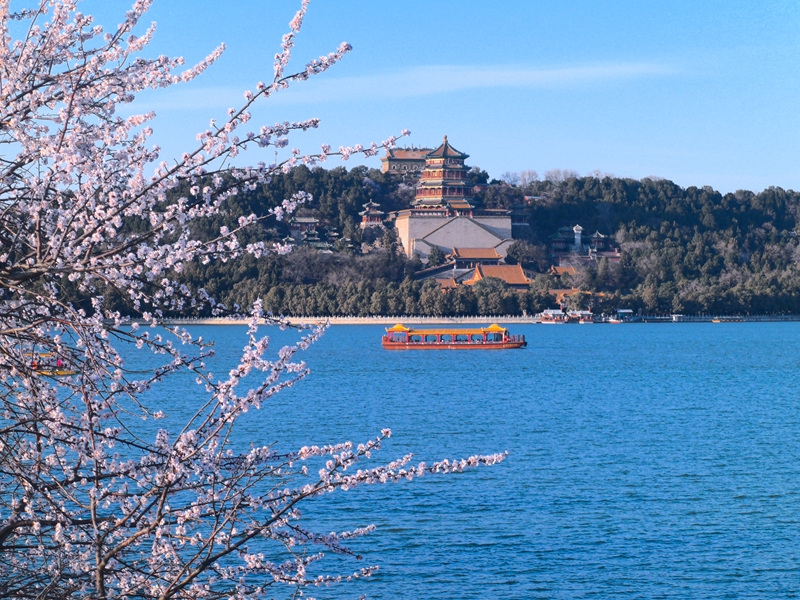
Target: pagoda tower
(371,216)
(444,183)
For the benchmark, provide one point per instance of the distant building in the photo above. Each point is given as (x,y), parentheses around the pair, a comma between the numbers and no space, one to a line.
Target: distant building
(404,160)
(307,231)
(371,216)
(447,284)
(559,271)
(513,275)
(569,245)
(298,225)
(444,182)
(443,213)
(469,258)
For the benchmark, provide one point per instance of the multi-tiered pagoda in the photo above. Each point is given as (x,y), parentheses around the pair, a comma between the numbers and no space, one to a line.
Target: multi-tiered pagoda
(371,216)
(444,183)
(443,213)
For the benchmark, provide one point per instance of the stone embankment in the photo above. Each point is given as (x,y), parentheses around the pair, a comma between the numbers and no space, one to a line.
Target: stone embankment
(405,320)
(481,320)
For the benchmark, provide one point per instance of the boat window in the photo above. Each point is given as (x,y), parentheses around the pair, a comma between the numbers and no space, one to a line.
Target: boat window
(398,337)
(447,338)
(415,339)
(430,339)
(494,337)
(476,338)
(461,337)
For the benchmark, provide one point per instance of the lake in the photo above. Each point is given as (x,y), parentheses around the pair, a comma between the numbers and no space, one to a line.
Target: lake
(645,461)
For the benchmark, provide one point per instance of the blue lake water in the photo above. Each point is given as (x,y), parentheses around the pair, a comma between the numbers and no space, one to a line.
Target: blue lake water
(645,461)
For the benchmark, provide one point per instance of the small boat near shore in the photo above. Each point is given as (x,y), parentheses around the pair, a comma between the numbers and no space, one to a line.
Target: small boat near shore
(584,317)
(493,337)
(552,316)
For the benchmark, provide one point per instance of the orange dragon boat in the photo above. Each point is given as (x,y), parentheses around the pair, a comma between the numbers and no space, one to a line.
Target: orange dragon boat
(493,337)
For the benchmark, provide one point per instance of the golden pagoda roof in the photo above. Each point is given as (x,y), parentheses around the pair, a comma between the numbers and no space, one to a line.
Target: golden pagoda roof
(446,151)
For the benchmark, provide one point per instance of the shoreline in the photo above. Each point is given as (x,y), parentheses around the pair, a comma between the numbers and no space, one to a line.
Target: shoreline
(519,320)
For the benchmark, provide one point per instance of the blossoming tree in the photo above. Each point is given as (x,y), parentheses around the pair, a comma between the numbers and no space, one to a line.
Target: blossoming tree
(96,500)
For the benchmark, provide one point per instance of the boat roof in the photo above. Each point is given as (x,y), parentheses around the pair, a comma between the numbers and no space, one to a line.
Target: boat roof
(493,328)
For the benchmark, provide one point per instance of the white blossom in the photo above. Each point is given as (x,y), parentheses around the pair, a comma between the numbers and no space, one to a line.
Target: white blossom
(98,498)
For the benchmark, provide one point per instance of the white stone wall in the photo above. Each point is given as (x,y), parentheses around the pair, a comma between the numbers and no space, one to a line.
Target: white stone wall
(419,227)
(502,248)
(462,232)
(419,234)
(501,225)
(401,225)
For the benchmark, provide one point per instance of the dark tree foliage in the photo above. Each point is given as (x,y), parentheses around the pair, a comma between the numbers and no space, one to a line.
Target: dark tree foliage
(436,257)
(530,256)
(408,297)
(689,250)
(500,195)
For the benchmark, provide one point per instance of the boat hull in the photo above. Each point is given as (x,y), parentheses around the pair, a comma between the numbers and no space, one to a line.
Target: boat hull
(55,372)
(453,346)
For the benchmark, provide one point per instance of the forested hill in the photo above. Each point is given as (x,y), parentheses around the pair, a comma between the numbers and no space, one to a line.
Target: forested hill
(684,250)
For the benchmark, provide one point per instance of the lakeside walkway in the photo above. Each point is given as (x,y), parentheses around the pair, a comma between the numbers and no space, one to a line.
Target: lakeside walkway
(508,319)
(365,320)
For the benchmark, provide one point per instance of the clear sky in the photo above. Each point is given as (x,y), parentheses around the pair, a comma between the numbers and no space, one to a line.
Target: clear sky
(702,92)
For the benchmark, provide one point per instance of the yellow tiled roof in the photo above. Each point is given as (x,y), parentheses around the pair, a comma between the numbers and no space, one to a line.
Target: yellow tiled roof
(511,274)
(476,253)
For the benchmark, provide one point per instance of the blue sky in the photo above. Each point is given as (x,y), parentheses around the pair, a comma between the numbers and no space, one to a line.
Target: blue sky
(699,92)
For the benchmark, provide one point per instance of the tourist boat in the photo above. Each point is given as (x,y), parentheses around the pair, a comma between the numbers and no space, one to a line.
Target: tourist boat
(493,337)
(42,364)
(552,316)
(584,317)
(47,372)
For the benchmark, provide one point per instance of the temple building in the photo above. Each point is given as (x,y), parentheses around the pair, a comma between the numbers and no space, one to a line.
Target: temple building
(512,275)
(303,225)
(371,216)
(400,161)
(444,181)
(444,214)
(469,258)
(570,245)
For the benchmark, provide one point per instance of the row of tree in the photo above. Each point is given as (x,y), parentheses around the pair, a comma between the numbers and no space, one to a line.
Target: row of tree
(409,297)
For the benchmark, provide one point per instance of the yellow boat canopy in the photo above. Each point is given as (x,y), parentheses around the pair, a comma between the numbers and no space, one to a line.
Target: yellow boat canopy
(494,328)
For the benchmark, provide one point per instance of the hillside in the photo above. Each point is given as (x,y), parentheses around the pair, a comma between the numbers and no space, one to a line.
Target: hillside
(687,250)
